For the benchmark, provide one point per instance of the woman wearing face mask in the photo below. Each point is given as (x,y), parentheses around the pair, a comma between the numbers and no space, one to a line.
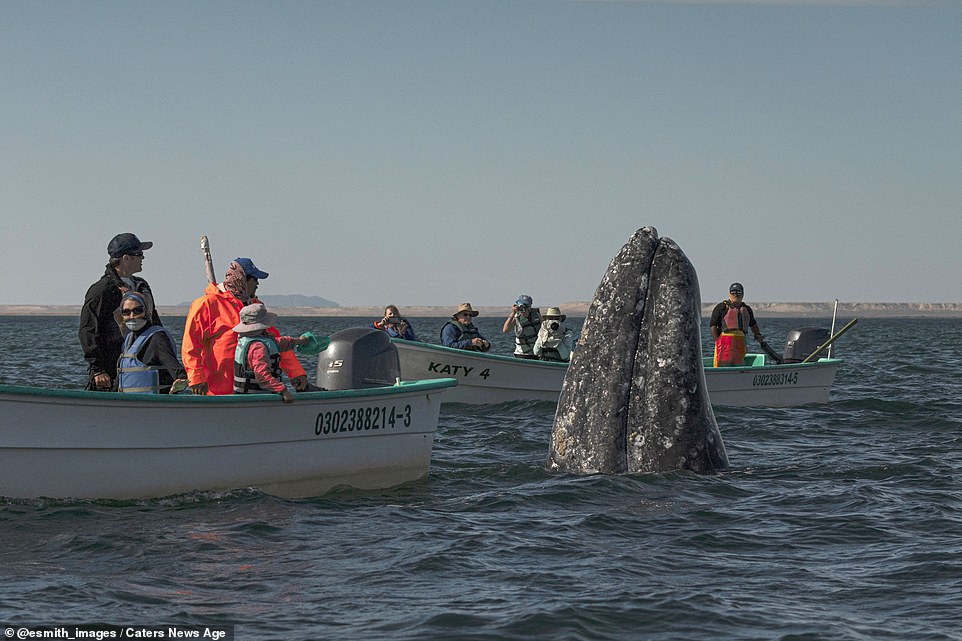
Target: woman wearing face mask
(148,363)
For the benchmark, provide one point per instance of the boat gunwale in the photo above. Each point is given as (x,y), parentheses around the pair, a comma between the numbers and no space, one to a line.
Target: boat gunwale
(10,392)
(748,368)
(466,353)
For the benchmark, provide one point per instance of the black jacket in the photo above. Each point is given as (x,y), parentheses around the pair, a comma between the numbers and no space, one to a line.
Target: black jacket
(100,337)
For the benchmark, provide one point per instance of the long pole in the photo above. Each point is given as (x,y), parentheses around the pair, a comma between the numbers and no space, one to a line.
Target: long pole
(830,340)
(834,315)
(208,263)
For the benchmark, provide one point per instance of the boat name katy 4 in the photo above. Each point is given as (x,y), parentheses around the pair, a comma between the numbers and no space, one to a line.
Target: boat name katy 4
(444,368)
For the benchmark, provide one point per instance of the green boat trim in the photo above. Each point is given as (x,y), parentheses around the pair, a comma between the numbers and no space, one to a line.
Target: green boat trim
(405,387)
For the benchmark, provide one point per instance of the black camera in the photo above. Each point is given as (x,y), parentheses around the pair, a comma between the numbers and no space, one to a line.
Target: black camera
(395,320)
(554,325)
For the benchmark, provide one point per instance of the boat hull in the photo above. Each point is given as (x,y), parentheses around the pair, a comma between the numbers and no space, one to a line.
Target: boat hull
(482,378)
(486,378)
(72,444)
(772,385)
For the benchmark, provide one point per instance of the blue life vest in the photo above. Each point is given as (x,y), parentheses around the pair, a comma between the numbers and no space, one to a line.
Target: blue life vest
(244,379)
(133,375)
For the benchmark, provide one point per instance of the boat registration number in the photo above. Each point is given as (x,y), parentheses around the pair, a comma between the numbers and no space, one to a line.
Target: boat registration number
(762,380)
(359,419)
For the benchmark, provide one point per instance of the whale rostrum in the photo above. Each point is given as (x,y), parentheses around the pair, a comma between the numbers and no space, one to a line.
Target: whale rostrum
(634,398)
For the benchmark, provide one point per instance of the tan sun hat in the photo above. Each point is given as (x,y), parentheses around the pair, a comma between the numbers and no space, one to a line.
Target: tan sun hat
(466,307)
(554,312)
(254,318)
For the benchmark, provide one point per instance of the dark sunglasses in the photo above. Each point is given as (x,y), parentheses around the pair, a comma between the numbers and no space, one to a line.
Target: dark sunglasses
(733,293)
(137,254)
(132,312)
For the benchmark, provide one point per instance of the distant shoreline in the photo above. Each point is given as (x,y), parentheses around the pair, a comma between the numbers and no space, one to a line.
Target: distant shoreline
(573,309)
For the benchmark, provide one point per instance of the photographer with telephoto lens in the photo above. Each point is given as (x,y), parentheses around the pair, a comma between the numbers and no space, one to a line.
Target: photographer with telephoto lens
(555,341)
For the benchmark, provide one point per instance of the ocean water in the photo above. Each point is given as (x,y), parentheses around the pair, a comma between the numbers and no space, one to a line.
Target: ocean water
(840,521)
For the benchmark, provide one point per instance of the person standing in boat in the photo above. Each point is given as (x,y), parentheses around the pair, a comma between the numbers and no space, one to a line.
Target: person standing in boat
(523,321)
(555,341)
(394,324)
(148,363)
(209,342)
(100,337)
(257,357)
(730,321)
(460,332)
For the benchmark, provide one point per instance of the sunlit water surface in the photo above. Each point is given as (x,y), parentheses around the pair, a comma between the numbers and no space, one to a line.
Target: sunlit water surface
(841,521)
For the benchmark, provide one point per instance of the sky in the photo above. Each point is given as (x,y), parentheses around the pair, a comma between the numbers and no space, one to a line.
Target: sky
(438,152)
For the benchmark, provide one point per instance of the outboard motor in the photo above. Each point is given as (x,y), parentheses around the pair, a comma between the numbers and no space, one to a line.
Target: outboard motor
(803,341)
(358,357)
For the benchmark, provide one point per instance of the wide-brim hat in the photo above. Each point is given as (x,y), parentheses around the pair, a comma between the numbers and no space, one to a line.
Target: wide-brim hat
(255,318)
(554,312)
(466,308)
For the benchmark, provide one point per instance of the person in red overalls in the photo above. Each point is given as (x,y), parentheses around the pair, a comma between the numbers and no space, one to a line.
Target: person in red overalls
(209,340)
(730,321)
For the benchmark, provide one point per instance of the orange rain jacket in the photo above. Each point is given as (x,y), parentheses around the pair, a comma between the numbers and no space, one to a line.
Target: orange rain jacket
(209,342)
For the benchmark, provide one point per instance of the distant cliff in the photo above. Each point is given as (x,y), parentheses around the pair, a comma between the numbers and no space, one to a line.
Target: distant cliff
(288,300)
(296,300)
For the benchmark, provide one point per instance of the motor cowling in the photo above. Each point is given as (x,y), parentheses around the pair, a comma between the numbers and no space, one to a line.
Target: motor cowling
(358,358)
(803,341)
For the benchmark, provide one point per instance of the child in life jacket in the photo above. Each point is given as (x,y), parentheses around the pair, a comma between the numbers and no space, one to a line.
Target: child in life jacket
(257,358)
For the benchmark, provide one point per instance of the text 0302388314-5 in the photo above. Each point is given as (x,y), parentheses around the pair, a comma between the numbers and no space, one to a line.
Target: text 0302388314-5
(781,378)
(357,419)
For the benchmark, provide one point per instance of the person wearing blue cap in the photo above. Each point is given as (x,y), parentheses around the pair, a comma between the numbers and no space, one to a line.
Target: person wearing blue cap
(100,337)
(524,321)
(209,342)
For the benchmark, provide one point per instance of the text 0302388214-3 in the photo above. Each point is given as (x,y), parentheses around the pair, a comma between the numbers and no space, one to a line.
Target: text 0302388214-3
(357,419)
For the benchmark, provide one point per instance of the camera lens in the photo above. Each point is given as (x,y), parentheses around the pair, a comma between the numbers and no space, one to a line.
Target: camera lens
(554,325)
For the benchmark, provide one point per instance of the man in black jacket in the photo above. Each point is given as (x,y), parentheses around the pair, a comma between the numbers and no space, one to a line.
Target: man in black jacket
(100,336)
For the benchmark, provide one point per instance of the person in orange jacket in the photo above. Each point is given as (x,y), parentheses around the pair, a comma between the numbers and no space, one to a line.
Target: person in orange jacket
(209,339)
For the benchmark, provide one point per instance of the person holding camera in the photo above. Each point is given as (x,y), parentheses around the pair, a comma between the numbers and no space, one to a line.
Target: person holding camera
(525,321)
(461,333)
(394,324)
(555,341)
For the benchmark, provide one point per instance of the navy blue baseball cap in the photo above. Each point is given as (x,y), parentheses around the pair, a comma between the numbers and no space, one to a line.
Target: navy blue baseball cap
(123,244)
(250,270)
(736,288)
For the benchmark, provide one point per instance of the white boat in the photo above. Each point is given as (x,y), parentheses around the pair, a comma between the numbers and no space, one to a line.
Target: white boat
(490,378)
(78,444)
(760,384)
(482,378)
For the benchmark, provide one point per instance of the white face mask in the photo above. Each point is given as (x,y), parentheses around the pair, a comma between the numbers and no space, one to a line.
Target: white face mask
(135,324)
